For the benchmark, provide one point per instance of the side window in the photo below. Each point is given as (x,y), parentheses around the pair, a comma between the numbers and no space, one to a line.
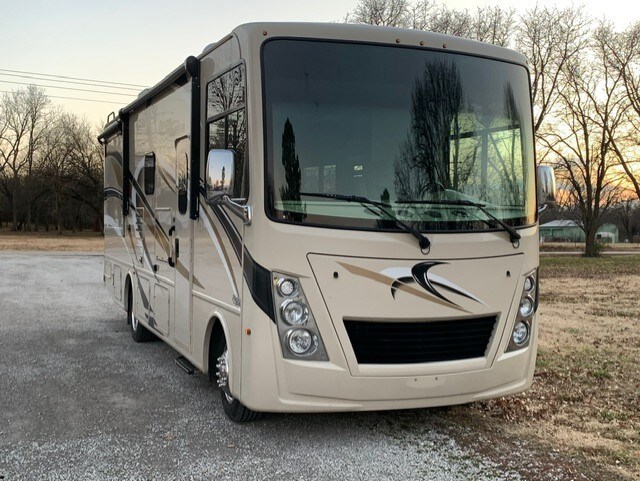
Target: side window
(149,173)
(183,174)
(217,134)
(226,92)
(227,126)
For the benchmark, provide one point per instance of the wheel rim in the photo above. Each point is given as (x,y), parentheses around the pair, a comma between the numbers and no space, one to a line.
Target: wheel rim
(222,374)
(134,321)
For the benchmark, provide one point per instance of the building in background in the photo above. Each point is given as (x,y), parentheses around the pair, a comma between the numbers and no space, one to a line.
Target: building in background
(570,231)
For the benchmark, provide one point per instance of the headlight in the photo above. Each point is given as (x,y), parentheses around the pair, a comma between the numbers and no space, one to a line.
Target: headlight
(302,342)
(529,284)
(523,324)
(526,307)
(294,312)
(297,329)
(520,333)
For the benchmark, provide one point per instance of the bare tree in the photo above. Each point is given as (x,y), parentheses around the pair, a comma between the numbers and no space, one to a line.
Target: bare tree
(493,25)
(420,13)
(622,54)
(24,112)
(550,38)
(451,22)
(54,157)
(580,144)
(386,13)
(85,166)
(50,165)
(4,145)
(623,215)
(488,24)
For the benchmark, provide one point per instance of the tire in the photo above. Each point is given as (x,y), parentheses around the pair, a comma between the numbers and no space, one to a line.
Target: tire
(139,333)
(234,409)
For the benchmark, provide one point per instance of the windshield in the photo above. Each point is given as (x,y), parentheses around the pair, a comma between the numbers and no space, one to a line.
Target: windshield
(403,126)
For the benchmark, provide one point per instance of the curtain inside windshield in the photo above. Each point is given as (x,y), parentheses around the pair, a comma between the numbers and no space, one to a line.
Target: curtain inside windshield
(420,131)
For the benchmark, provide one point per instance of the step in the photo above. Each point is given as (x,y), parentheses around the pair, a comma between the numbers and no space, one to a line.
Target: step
(185,365)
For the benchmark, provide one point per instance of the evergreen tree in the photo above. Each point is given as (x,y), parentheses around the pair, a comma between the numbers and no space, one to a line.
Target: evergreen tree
(291,164)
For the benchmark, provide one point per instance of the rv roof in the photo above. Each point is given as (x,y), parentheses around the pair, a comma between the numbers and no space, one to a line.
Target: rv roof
(260,31)
(376,34)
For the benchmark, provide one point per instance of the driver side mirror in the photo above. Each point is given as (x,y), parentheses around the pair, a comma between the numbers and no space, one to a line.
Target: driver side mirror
(220,169)
(546,187)
(219,182)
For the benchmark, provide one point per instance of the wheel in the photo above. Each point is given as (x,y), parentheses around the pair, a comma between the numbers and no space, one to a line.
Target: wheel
(139,333)
(234,409)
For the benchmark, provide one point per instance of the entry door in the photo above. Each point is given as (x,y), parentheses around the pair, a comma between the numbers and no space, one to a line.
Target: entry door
(182,247)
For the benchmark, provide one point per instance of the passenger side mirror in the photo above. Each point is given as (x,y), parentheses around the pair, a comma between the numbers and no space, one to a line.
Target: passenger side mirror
(546,187)
(220,168)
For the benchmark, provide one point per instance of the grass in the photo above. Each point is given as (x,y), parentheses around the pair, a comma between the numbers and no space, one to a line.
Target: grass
(582,414)
(579,246)
(582,267)
(84,241)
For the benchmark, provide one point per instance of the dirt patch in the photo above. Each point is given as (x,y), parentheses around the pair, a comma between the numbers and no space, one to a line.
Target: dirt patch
(50,241)
(581,419)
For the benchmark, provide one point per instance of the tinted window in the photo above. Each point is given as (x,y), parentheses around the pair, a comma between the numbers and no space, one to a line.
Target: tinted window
(149,173)
(408,127)
(183,175)
(226,92)
(228,125)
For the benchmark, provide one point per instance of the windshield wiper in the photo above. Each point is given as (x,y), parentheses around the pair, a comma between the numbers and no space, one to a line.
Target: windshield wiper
(423,242)
(514,237)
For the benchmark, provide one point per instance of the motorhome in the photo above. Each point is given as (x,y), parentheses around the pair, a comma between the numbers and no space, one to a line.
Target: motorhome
(327,217)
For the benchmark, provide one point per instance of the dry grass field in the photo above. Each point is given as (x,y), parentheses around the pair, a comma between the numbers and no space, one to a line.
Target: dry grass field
(51,241)
(581,419)
(579,246)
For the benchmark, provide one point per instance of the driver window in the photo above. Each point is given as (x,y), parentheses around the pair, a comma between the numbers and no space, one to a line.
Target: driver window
(227,125)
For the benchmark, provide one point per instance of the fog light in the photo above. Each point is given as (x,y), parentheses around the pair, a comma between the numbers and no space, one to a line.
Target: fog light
(287,287)
(526,307)
(529,283)
(520,333)
(294,312)
(302,341)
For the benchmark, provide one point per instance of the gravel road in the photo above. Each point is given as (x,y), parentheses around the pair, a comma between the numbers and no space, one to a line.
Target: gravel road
(80,400)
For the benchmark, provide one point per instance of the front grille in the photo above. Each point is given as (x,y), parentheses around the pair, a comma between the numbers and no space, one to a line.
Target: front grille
(416,342)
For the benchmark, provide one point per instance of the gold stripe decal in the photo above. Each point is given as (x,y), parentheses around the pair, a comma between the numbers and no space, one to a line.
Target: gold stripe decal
(388,281)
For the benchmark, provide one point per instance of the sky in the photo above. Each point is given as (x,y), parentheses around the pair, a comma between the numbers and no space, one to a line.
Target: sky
(140,41)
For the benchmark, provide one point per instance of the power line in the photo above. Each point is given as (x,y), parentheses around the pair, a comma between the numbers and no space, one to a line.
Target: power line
(71,78)
(68,88)
(71,98)
(70,82)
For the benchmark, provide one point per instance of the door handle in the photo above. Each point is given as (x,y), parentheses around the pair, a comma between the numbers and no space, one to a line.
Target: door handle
(176,253)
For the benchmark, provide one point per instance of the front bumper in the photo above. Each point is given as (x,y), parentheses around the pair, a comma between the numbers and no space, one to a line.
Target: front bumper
(281,385)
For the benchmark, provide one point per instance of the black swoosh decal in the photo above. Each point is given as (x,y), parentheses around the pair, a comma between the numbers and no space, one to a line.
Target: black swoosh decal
(419,272)
(398,282)
(451,289)
(230,229)
(259,282)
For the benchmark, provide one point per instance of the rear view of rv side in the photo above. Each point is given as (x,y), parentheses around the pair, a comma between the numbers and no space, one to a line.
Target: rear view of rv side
(332,218)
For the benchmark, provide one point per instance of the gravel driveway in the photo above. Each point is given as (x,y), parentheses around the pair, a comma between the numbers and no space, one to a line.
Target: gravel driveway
(79,400)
